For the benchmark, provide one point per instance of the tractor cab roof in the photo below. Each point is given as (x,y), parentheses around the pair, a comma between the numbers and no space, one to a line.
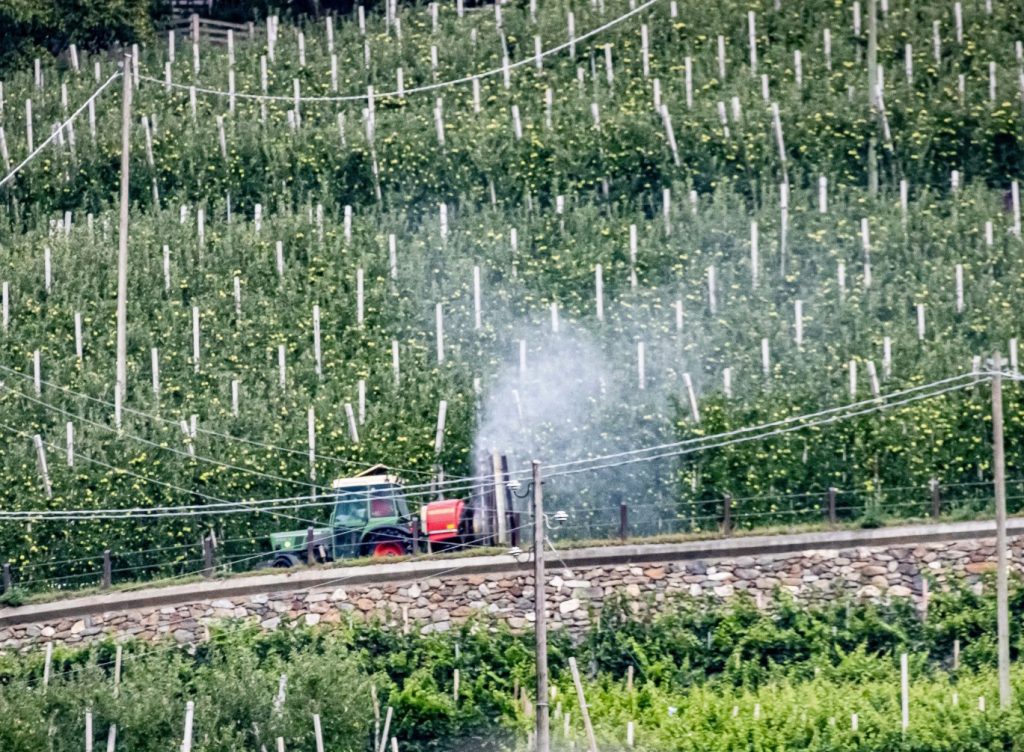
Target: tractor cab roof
(377,475)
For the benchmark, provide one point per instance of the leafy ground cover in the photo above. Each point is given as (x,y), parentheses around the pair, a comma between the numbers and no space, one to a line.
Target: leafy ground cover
(704,677)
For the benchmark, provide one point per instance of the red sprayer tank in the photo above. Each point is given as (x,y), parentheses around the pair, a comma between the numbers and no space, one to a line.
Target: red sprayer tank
(442,519)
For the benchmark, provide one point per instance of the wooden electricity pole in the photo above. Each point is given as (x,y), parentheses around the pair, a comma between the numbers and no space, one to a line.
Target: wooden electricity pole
(1002,596)
(873,99)
(120,384)
(540,624)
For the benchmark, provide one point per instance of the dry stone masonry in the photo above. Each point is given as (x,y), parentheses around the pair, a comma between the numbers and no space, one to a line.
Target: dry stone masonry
(575,596)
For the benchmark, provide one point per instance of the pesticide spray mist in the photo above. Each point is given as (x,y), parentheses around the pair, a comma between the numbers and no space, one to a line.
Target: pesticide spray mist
(568,399)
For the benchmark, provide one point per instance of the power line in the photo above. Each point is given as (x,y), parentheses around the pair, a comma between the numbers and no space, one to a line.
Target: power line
(763,426)
(130,473)
(417,89)
(58,130)
(156,445)
(824,417)
(207,431)
(769,434)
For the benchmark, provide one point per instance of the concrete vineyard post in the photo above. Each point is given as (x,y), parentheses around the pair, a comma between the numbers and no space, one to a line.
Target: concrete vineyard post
(904,693)
(439,332)
(477,324)
(154,365)
(641,374)
(353,430)
(69,434)
(317,354)
(47,664)
(186,744)
(395,366)
(195,339)
(107,575)
(691,397)
(44,474)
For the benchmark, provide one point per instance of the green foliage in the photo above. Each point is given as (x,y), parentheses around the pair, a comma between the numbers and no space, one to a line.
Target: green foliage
(803,670)
(33,28)
(881,463)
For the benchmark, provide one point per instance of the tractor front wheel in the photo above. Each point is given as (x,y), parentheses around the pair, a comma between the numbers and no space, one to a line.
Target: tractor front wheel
(388,548)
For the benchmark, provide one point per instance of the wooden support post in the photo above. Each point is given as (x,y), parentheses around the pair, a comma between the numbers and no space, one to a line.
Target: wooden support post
(387,728)
(584,710)
(1002,575)
(8,580)
(832,519)
(207,556)
(623,521)
(107,574)
(121,376)
(117,670)
(542,721)
(310,549)
(727,515)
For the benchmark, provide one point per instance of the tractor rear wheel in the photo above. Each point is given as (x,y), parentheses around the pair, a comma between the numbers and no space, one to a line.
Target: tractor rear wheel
(388,548)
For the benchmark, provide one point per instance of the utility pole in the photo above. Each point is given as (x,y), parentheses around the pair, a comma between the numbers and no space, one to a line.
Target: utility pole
(1002,596)
(540,624)
(120,383)
(873,99)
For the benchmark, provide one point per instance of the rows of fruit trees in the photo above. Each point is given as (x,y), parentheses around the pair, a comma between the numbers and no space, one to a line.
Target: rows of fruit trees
(693,676)
(557,248)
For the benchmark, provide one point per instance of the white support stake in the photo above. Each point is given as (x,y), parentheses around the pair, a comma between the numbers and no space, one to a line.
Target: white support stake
(186,744)
(44,473)
(692,397)
(395,366)
(195,339)
(439,332)
(477,323)
(78,337)
(959,274)
(904,693)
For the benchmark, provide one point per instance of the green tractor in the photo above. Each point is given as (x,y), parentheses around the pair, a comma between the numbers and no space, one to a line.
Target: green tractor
(369,517)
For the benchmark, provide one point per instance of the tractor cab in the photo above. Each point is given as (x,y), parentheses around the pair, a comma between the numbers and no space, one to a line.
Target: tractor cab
(369,517)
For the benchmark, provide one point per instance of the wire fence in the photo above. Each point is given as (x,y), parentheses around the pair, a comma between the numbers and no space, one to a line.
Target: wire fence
(585,522)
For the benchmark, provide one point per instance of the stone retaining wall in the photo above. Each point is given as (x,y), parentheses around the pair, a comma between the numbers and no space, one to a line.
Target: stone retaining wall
(575,596)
